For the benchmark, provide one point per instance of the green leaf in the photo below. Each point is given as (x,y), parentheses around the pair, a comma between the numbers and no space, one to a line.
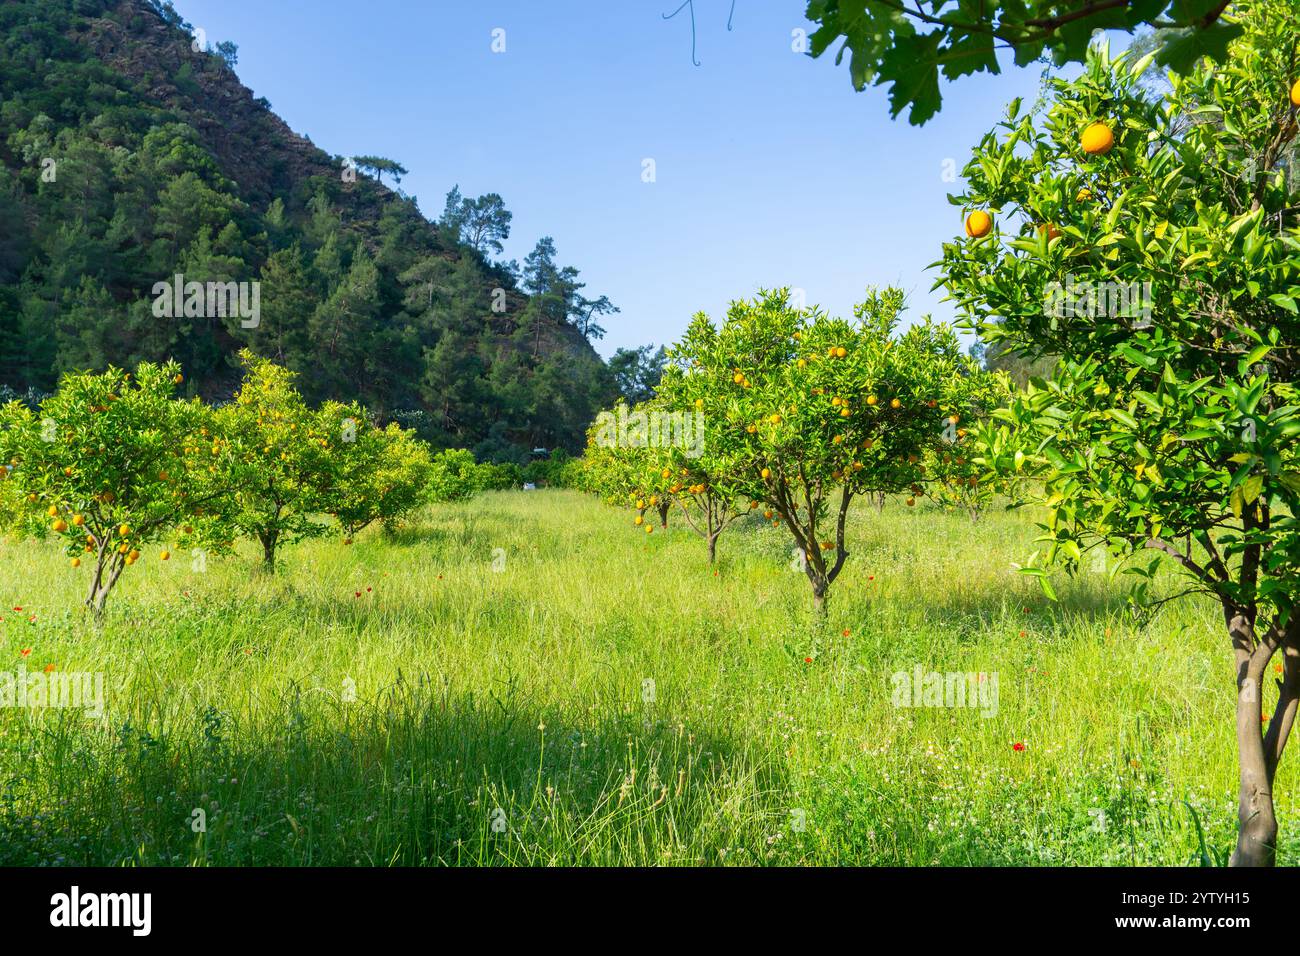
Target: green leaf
(1181,55)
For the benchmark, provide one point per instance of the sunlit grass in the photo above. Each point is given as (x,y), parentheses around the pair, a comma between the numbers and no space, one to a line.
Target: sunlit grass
(603,697)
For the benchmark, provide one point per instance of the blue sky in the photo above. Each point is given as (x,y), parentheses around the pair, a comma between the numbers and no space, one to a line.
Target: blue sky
(770,170)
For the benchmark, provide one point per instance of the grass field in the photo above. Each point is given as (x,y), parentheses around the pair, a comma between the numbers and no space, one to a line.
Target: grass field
(589,694)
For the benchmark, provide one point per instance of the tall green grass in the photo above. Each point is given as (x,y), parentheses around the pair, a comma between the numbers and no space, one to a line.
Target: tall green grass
(590,694)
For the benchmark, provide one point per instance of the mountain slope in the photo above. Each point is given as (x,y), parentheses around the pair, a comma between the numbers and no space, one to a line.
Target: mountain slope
(126,158)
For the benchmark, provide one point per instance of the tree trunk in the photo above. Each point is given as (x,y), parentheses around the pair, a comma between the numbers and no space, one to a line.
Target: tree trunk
(880,501)
(663,514)
(713,548)
(268,540)
(108,568)
(1257,823)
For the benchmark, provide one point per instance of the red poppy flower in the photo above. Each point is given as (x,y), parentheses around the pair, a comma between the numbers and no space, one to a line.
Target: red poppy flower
(846,632)
(18,607)
(48,668)
(368,590)
(26,652)
(871,577)
(807,660)
(1017,746)
(358,594)
(1022,633)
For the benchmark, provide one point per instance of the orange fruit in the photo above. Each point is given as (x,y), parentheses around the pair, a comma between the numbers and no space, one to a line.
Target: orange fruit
(75,562)
(766,473)
(871,399)
(124,530)
(895,403)
(774,418)
(737,378)
(60,525)
(649,529)
(841,351)
(1097,139)
(911,502)
(1051,230)
(978,224)
(164,556)
(78,520)
(52,511)
(1295,94)
(639,520)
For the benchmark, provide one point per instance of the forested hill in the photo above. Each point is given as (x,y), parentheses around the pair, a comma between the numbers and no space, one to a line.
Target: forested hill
(130,153)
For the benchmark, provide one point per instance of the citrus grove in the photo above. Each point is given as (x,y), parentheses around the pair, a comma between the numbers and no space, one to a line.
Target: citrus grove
(1141,239)
(800,414)
(114,467)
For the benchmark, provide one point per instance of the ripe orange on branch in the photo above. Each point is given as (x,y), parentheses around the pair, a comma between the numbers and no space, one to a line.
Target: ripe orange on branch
(1097,139)
(978,224)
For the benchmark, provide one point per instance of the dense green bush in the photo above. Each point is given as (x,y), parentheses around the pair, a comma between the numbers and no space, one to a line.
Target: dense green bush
(499,476)
(454,476)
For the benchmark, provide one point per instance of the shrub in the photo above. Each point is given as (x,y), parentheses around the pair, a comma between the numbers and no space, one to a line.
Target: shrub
(453,475)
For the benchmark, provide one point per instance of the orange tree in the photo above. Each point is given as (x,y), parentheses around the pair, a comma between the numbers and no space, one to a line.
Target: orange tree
(385,473)
(705,470)
(1169,429)
(620,466)
(113,462)
(819,410)
(958,480)
(293,457)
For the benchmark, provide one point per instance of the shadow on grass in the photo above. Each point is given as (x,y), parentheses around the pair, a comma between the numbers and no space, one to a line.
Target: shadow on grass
(416,775)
